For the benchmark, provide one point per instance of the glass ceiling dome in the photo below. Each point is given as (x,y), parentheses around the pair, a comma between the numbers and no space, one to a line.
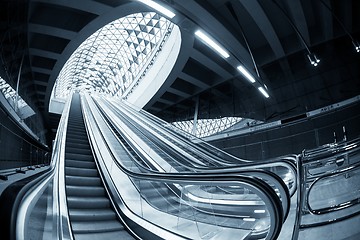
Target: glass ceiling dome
(115,56)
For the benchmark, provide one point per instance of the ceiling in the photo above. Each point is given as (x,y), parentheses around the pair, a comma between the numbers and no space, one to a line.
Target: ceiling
(271,36)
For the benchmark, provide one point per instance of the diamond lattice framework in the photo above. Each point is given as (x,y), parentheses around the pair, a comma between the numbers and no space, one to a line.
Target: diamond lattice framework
(207,127)
(114,56)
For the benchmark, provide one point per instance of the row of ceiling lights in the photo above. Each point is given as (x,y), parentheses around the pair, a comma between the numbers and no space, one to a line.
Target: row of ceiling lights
(314,60)
(209,42)
(220,50)
(311,56)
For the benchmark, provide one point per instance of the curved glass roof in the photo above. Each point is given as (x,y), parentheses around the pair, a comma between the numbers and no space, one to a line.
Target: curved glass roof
(207,127)
(115,56)
(10,94)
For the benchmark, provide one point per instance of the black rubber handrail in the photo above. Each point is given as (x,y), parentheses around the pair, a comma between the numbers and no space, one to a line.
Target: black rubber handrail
(270,177)
(224,155)
(286,160)
(196,178)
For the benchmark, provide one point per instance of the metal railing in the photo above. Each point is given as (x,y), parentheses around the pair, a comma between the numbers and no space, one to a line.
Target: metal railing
(48,196)
(328,185)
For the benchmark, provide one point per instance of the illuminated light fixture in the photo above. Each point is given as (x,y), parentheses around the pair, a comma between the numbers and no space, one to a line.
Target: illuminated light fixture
(313,59)
(354,42)
(249,219)
(262,90)
(259,211)
(158,7)
(211,43)
(356,45)
(246,74)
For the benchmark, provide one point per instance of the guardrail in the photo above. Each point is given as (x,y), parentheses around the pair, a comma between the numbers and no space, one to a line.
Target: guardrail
(328,185)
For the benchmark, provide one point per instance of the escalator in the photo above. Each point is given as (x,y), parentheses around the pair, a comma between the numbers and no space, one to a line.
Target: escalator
(178,147)
(90,211)
(90,194)
(192,198)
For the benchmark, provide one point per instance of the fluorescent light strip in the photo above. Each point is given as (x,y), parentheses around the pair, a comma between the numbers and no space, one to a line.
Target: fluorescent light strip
(262,90)
(259,211)
(158,7)
(246,74)
(212,43)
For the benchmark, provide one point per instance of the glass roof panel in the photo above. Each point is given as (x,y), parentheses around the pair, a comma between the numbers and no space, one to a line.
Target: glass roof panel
(10,94)
(207,127)
(114,56)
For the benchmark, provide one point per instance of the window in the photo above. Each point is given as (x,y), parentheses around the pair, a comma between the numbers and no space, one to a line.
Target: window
(115,56)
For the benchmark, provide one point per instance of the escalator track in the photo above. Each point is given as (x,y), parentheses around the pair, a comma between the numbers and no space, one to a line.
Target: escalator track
(90,211)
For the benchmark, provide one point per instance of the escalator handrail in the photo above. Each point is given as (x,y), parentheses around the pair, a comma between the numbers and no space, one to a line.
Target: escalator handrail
(290,157)
(59,192)
(263,174)
(30,192)
(277,181)
(288,161)
(196,178)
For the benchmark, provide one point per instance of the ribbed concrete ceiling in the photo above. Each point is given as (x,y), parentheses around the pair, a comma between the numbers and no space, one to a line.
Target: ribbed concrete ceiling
(49,31)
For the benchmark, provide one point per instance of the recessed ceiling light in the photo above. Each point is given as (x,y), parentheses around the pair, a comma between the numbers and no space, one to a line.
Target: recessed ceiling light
(159,8)
(205,38)
(262,90)
(246,74)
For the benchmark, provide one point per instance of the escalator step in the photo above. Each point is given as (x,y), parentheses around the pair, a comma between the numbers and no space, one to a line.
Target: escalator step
(82,135)
(77,145)
(90,211)
(83,181)
(77,141)
(92,214)
(85,191)
(76,125)
(88,203)
(85,151)
(82,172)
(99,227)
(80,164)
(76,130)
(79,156)
(108,235)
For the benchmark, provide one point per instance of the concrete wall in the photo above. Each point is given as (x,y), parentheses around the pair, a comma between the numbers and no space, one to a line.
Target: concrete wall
(17,149)
(294,136)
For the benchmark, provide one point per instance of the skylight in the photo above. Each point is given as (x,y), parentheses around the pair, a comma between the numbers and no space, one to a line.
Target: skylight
(10,94)
(207,127)
(115,56)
